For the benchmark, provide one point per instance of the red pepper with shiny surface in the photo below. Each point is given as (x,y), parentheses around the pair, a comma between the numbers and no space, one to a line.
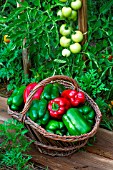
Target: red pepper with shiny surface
(76,98)
(29,88)
(58,106)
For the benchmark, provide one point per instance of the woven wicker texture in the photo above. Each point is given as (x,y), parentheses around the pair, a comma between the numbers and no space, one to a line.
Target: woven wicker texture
(53,144)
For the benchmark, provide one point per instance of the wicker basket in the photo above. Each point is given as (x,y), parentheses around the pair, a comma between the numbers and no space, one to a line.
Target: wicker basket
(53,144)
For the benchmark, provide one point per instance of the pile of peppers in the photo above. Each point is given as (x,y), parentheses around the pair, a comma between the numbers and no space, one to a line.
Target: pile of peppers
(57,109)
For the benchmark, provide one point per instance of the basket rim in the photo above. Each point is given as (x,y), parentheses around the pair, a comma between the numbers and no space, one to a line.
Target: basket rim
(69,148)
(41,130)
(52,79)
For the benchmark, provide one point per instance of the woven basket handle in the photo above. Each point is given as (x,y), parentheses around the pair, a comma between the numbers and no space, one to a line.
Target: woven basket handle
(58,78)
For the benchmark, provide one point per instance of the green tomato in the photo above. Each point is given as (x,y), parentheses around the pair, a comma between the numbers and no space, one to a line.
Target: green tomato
(59,13)
(66,52)
(63,0)
(78,37)
(64,31)
(76,5)
(75,48)
(65,42)
(66,11)
(73,16)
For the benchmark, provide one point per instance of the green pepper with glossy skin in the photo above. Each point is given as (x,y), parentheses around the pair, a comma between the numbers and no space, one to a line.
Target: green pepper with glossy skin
(75,122)
(38,112)
(56,127)
(52,91)
(61,87)
(88,113)
(44,120)
(16,100)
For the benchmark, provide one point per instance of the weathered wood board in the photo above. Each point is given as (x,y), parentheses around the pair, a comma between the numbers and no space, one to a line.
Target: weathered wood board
(96,157)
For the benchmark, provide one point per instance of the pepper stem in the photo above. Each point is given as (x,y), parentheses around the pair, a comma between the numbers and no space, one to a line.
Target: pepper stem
(55,106)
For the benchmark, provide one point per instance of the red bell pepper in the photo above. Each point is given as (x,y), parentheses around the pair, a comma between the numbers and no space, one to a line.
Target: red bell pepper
(58,106)
(29,88)
(76,98)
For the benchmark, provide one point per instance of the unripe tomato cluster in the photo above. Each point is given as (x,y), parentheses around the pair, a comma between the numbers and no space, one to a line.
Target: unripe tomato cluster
(70,38)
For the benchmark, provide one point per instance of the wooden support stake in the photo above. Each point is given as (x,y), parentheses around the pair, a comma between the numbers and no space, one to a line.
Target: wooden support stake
(82,20)
(26,61)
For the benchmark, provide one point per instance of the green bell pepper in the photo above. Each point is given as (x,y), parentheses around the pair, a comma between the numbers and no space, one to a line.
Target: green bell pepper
(16,100)
(38,112)
(61,87)
(52,91)
(56,127)
(75,122)
(88,113)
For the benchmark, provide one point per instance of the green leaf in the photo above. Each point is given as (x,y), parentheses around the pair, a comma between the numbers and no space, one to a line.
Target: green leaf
(106,7)
(37,3)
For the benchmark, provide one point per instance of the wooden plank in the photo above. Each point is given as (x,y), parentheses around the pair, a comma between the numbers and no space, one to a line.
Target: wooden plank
(93,161)
(80,160)
(3,103)
(3,110)
(103,144)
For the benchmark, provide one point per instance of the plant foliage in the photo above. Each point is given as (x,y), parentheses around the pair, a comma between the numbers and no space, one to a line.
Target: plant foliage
(13,145)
